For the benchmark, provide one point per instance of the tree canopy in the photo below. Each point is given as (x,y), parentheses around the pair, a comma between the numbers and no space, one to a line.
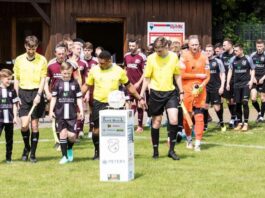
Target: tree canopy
(229,15)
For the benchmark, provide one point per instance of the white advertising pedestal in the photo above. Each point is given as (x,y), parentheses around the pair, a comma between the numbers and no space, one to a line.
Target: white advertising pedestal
(116,145)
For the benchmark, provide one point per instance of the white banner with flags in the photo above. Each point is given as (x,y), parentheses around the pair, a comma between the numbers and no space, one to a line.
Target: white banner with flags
(174,31)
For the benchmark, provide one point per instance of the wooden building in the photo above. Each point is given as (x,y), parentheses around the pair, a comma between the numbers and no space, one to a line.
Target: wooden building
(107,23)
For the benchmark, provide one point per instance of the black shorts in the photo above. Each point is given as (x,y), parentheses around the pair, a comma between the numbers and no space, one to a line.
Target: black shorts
(228,94)
(260,88)
(70,125)
(97,106)
(160,100)
(27,97)
(241,94)
(213,98)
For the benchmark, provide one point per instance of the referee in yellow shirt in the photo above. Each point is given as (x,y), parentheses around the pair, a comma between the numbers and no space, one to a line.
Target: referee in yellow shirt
(30,70)
(105,77)
(161,69)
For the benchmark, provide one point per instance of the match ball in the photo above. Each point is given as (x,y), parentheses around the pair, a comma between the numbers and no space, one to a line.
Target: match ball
(116,99)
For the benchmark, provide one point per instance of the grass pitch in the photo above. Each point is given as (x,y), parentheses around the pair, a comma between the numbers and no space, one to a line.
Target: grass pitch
(231,164)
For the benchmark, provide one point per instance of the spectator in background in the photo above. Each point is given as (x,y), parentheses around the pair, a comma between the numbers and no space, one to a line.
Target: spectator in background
(98,50)
(149,49)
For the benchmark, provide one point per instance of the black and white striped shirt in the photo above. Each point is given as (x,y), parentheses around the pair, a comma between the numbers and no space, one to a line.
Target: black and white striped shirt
(8,97)
(67,93)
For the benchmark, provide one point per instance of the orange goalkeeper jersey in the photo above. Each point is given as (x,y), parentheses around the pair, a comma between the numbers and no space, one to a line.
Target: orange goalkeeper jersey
(194,64)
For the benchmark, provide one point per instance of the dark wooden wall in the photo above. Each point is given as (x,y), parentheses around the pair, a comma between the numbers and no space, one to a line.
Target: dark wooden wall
(197,15)
(10,14)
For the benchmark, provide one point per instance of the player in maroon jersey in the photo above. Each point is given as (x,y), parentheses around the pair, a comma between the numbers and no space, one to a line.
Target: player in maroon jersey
(134,63)
(53,75)
(82,68)
(91,61)
(54,72)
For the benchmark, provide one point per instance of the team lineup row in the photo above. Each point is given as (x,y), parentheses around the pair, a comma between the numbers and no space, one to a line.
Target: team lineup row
(168,77)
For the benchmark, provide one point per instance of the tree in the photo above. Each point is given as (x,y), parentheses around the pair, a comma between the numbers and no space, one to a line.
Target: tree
(230,15)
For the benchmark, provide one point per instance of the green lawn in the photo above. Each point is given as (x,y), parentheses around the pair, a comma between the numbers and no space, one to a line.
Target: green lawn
(230,165)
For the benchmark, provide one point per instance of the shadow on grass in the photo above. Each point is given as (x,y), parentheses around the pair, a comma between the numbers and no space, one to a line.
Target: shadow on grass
(47,158)
(39,159)
(162,156)
(84,146)
(209,134)
(138,175)
(184,156)
(256,126)
(208,146)
(146,128)
(81,159)
(4,162)
(163,142)
(214,131)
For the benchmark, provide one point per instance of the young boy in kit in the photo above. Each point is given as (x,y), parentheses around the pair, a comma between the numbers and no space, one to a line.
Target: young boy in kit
(8,110)
(66,96)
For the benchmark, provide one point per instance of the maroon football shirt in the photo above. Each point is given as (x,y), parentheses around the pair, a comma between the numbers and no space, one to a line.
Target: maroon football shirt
(91,62)
(82,64)
(54,72)
(134,65)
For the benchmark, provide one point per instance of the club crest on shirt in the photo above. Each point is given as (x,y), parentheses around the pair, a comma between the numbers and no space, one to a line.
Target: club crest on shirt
(137,61)
(262,58)
(214,64)
(72,87)
(244,62)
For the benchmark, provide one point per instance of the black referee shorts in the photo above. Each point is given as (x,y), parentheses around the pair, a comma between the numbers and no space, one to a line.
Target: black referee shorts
(27,97)
(160,100)
(97,106)
(213,98)
(241,94)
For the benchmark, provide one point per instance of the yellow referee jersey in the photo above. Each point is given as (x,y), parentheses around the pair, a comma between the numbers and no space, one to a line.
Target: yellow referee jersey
(161,71)
(29,73)
(105,81)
